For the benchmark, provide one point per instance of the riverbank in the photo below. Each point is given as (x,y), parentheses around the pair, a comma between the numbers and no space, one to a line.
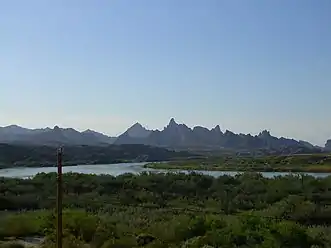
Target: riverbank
(65,164)
(72,164)
(167,166)
(310,163)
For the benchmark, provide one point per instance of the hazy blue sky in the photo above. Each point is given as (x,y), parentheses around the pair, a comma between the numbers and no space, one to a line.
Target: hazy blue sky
(246,65)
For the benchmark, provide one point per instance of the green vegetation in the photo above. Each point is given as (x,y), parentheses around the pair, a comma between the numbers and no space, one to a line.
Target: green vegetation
(293,163)
(36,156)
(170,210)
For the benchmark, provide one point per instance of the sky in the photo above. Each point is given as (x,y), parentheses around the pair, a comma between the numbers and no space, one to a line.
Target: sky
(104,65)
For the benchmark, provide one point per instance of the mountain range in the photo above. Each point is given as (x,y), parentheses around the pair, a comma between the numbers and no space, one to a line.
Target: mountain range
(174,135)
(14,134)
(180,136)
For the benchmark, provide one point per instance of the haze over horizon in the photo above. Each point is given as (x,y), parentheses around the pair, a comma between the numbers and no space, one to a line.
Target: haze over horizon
(104,65)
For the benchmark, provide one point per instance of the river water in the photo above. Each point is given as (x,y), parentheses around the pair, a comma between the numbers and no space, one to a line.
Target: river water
(118,169)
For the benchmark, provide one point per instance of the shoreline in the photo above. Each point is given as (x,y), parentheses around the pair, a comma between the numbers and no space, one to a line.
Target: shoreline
(70,164)
(50,165)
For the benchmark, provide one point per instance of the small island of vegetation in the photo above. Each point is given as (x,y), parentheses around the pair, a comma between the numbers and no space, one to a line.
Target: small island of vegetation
(290,163)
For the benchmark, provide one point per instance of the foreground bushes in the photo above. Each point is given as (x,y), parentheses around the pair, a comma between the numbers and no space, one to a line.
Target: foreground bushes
(170,230)
(171,211)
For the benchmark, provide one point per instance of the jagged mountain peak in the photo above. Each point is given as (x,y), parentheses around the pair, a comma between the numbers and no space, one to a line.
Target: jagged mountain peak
(56,127)
(172,122)
(174,125)
(137,131)
(217,129)
(264,133)
(137,125)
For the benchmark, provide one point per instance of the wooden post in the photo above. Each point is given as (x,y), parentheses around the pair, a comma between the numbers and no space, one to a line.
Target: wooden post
(59,199)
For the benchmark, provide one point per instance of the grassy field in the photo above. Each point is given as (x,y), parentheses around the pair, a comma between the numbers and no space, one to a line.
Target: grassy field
(293,163)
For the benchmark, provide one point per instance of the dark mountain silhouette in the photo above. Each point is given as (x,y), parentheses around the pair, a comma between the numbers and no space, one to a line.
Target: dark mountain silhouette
(14,133)
(173,135)
(57,136)
(176,135)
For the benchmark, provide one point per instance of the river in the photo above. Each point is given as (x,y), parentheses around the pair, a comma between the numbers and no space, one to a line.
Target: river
(118,169)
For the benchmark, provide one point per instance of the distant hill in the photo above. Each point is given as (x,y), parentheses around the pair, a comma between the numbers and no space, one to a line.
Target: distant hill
(57,136)
(99,137)
(180,136)
(136,134)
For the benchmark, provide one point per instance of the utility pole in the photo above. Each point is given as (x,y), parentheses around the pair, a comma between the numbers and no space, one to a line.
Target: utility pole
(59,199)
